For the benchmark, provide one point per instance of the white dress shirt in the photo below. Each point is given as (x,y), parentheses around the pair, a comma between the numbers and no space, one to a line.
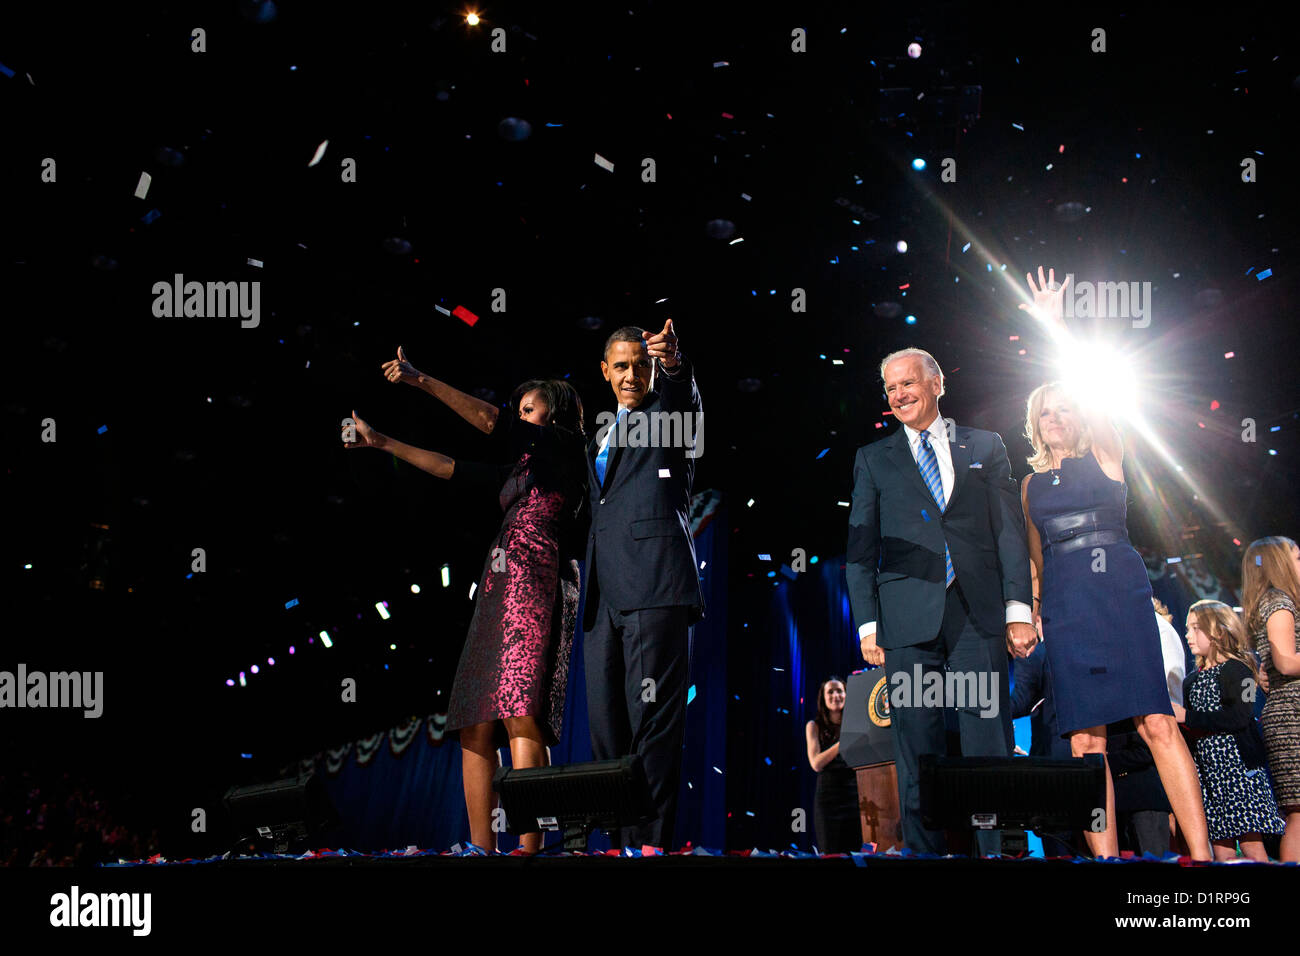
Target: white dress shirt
(1171,648)
(1017,611)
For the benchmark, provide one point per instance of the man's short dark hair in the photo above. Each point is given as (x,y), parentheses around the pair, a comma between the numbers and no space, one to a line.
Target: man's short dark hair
(628,333)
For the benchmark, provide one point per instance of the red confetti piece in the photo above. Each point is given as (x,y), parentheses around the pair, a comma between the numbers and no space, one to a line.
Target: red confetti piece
(1061,148)
(1200,424)
(1236,542)
(727,116)
(465,315)
(905,285)
(1022,352)
(1229,354)
(1214,405)
(1015,338)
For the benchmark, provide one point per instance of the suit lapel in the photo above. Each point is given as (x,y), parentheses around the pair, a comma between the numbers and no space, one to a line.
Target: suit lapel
(961,459)
(901,455)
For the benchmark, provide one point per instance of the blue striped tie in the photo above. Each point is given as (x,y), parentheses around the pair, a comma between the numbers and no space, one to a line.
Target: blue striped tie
(929,466)
(603,458)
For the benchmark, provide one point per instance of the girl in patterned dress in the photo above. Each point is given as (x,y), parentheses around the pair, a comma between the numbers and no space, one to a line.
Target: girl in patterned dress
(1270,589)
(1235,790)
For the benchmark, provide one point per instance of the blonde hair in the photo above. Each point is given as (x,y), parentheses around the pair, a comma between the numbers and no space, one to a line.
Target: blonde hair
(1226,633)
(1041,459)
(927,362)
(1266,564)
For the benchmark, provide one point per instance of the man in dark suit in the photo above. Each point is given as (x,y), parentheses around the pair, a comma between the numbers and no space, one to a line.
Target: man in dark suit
(643,592)
(938,576)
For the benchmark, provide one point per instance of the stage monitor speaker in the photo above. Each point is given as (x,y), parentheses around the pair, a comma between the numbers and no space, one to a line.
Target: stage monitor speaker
(865,736)
(1036,793)
(281,814)
(575,798)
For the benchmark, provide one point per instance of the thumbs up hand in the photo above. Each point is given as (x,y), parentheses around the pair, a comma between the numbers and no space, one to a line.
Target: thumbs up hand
(400,370)
(663,346)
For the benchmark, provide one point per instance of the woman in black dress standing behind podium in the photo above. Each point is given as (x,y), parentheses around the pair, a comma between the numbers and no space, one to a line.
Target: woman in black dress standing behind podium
(835,811)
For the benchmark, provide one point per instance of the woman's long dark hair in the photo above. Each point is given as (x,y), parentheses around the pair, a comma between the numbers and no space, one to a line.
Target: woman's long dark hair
(566,469)
(827,732)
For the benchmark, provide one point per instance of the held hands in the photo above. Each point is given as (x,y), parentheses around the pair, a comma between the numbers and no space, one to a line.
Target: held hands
(663,346)
(1048,301)
(870,652)
(400,370)
(364,435)
(1021,639)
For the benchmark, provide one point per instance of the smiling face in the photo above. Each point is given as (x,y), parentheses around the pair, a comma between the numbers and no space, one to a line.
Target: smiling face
(1057,423)
(913,394)
(834,694)
(533,407)
(627,369)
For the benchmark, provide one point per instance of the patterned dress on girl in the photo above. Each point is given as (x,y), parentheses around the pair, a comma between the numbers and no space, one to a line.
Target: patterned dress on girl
(1230,757)
(1280,718)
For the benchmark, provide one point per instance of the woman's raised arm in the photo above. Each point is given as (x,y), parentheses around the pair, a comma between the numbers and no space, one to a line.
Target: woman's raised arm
(482,415)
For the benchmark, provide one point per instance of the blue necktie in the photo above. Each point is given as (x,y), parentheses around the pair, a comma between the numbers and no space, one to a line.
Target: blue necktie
(603,457)
(929,465)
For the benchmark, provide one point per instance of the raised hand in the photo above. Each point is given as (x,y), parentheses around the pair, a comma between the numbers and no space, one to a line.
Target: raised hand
(663,346)
(365,436)
(1049,302)
(400,370)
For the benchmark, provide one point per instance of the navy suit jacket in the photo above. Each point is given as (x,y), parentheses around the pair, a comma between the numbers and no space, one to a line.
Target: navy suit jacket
(639,549)
(895,567)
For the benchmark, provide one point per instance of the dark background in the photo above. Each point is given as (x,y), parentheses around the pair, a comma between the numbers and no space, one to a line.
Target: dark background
(227,439)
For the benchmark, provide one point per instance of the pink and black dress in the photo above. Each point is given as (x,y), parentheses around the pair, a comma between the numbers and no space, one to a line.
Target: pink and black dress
(515,662)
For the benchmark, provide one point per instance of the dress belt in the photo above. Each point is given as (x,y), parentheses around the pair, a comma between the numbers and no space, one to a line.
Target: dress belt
(1088,539)
(1080,529)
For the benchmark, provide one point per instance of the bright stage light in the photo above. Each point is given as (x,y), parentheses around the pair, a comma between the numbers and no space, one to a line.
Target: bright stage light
(1101,377)
(472,19)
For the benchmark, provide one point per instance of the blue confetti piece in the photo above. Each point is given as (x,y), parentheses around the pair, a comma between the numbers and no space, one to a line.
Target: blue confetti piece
(555,125)
(1018,126)
(965,247)
(1264,275)
(690,693)
(289,604)
(150,216)
(824,451)
(1258,560)
(101,429)
(768,761)
(6,71)
(925,515)
(1276,428)
(771,574)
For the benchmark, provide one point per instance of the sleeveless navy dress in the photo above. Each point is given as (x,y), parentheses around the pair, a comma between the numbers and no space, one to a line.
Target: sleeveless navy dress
(1099,626)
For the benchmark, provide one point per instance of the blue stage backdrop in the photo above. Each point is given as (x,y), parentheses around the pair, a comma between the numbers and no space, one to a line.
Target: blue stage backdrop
(403,788)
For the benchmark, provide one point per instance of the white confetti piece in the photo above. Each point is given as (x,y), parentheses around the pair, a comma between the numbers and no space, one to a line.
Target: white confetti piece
(142,187)
(256,263)
(604,163)
(320,152)
(442,310)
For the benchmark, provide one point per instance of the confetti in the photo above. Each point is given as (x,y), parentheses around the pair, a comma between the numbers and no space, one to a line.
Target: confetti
(465,315)
(604,163)
(320,153)
(142,187)
(256,263)
(442,310)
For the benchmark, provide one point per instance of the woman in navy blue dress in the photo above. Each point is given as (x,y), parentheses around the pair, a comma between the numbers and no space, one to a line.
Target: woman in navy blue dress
(1092,597)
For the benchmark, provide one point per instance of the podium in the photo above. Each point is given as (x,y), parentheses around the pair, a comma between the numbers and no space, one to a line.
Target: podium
(866,744)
